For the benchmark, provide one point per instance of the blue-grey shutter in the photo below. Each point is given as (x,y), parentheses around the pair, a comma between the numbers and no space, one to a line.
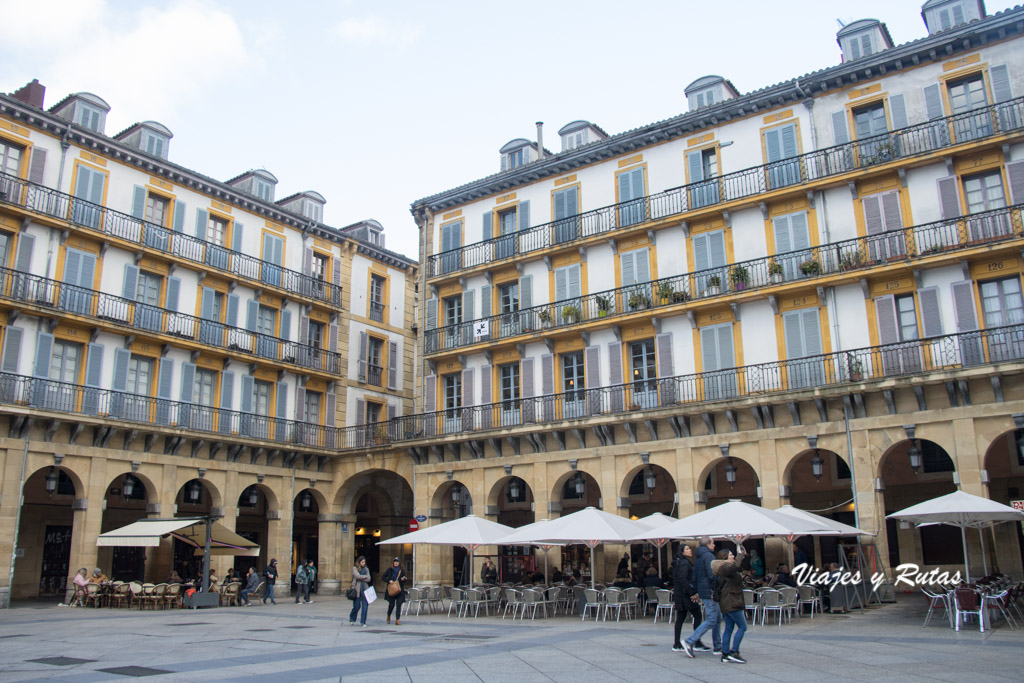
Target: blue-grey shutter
(236,236)
(949,196)
(35,171)
(811,330)
(801,234)
(615,375)
(1015,176)
(783,243)
(163,391)
(252,311)
(885,317)
(716,248)
(227,390)
(23,260)
(488,225)
(468,315)
(898,111)
(171,298)
(429,405)
(331,408)
(93,376)
(526,292)
(206,306)
(709,349)
(789,146)
(933,101)
(726,352)
(363,348)
(527,374)
(179,215)
(561,283)
(202,219)
(131,282)
(1000,76)
(547,382)
(873,215)
(773,145)
(231,317)
(559,205)
(666,368)
(641,262)
(44,351)
(486,397)
(431,313)
(300,405)
(286,324)
(247,390)
(282,402)
(12,353)
(72,266)
(700,252)
(120,379)
(592,370)
(138,201)
(794,335)
(971,350)
(188,379)
(392,366)
(307,262)
(524,215)
(467,388)
(931,318)
(332,338)
(485,301)
(695,162)
(840,130)
(627,265)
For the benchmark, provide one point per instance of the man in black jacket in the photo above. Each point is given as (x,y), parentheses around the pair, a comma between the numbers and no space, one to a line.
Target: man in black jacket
(702,584)
(686,603)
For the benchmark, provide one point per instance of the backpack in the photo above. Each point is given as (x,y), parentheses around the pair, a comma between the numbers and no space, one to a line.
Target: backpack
(716,588)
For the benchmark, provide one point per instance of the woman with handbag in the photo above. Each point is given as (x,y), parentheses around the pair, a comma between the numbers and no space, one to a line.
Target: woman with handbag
(360,581)
(394,579)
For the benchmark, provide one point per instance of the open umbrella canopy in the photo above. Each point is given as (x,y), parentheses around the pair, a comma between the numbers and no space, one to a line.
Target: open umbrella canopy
(470,532)
(589,526)
(191,530)
(832,527)
(959,509)
(656,520)
(731,519)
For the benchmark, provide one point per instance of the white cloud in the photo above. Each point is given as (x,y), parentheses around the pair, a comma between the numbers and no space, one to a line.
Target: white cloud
(373,31)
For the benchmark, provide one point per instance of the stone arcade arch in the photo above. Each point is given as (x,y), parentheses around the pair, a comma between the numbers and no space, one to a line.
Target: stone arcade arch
(257,519)
(821,482)
(514,563)
(1004,467)
(195,498)
(49,523)
(380,505)
(126,501)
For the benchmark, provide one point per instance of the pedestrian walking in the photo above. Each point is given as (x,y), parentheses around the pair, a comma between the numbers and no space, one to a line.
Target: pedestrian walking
(394,579)
(686,599)
(310,579)
(270,576)
(301,583)
(703,577)
(360,581)
(730,602)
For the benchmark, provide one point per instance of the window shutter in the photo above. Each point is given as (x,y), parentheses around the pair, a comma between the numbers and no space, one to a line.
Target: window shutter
(247,391)
(188,380)
(236,237)
(227,389)
(72,266)
(171,295)
(331,408)
(773,144)
(430,393)
(891,211)
(928,298)
(485,301)
(963,303)
(303,329)
(666,368)
(35,171)
(885,314)
(716,246)
(286,324)
(794,335)
(615,375)
(625,187)
(574,289)
(252,311)
(839,127)
(628,265)
(933,101)
(467,305)
(467,387)
(202,220)
(23,260)
(336,271)
(163,389)
(179,215)
(898,111)
(572,202)
(393,366)
(1000,76)
(726,353)
(488,225)
(783,243)
(592,371)
(432,313)
(332,338)
(307,261)
(561,276)
(789,146)
(282,403)
(559,205)
(524,215)
(872,215)
(641,263)
(300,405)
(120,379)
(709,349)
(811,331)
(231,316)
(700,252)
(131,282)
(547,374)
(486,396)
(525,292)
(86,276)
(93,375)
(949,196)
(206,307)
(392,411)
(44,350)
(138,200)
(1015,175)
(363,347)
(695,163)
(9,364)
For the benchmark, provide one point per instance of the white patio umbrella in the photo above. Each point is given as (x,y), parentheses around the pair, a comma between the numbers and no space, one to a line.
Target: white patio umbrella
(656,521)
(731,520)
(962,510)
(588,526)
(469,532)
(546,545)
(832,527)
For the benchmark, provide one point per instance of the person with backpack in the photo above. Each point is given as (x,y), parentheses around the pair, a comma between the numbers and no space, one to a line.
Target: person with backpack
(301,583)
(702,582)
(686,603)
(270,576)
(728,592)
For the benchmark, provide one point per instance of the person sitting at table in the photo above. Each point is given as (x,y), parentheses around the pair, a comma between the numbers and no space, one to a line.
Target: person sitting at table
(651,579)
(538,578)
(80,582)
(231,576)
(251,584)
(623,580)
(556,576)
(173,577)
(98,577)
(213,580)
(783,578)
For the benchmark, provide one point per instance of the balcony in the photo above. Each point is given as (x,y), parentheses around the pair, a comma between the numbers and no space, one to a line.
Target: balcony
(855,257)
(376,311)
(48,395)
(693,392)
(108,223)
(905,143)
(42,295)
(374,374)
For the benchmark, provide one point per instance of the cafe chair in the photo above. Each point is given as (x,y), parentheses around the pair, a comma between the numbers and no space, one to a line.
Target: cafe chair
(665,603)
(771,601)
(935,600)
(966,602)
(591,599)
(809,596)
(750,604)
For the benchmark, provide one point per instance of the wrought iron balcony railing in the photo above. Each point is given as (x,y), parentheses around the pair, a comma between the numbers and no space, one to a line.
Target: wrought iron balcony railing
(57,296)
(376,311)
(109,223)
(916,140)
(953,351)
(855,254)
(46,394)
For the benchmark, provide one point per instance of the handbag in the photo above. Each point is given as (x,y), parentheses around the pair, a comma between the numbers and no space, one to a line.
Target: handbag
(351,594)
(394,588)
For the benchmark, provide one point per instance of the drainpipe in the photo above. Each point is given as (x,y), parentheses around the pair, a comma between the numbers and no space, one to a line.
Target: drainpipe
(65,145)
(426,220)
(17,523)
(291,533)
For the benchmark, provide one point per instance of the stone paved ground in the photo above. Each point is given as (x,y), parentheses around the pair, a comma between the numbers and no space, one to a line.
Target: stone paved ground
(291,642)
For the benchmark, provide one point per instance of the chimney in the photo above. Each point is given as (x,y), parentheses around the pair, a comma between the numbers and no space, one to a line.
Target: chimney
(540,140)
(31,93)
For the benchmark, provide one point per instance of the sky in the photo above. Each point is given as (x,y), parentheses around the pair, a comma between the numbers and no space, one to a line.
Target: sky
(377,104)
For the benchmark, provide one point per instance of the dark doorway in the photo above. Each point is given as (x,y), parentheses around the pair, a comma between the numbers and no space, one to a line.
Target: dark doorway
(56,559)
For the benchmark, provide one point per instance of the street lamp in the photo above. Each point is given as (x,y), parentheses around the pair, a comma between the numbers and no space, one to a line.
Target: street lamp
(128,488)
(194,489)
(307,501)
(730,473)
(254,496)
(650,478)
(817,465)
(915,457)
(457,494)
(514,489)
(580,484)
(51,480)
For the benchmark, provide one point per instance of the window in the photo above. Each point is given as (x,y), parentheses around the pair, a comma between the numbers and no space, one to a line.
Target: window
(140,384)
(505,245)
(508,377)
(803,343)
(792,237)
(312,407)
(373,412)
(157,210)
(377,298)
(319,267)
(79,276)
(985,192)
(781,146)
(883,223)
(507,222)
(636,273)
(1002,305)
(315,336)
(451,385)
(906,318)
(631,197)
(88,188)
(203,387)
(718,359)
(64,363)
(374,354)
(642,373)
(153,144)
(709,262)
(508,297)
(702,166)
(568,291)
(263,189)
(897,325)
(451,241)
(869,122)
(147,295)
(567,226)
(965,95)
(573,385)
(10,158)
(859,45)
(5,248)
(88,116)
(273,259)
(515,159)
(217,231)
(261,393)
(266,341)
(312,210)
(453,313)
(574,140)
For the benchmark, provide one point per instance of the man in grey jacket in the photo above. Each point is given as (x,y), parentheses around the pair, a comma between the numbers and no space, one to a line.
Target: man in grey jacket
(702,581)
(301,583)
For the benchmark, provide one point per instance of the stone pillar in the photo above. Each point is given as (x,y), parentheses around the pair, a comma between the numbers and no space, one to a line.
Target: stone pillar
(88,519)
(329,567)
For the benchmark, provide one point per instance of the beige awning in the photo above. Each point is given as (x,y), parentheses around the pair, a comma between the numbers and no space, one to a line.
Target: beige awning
(191,530)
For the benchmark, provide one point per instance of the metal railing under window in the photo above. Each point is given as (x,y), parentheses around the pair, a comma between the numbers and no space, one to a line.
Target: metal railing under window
(857,254)
(376,311)
(915,140)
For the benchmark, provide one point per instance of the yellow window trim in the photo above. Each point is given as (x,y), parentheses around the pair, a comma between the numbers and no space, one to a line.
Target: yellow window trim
(94,167)
(782,124)
(714,145)
(27,147)
(799,205)
(385,294)
(712,225)
(630,169)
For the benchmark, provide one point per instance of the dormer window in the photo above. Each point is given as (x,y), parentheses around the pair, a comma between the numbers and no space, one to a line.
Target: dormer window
(85,109)
(154,144)
(863,38)
(89,116)
(574,140)
(516,158)
(516,153)
(942,15)
(858,46)
(263,189)
(312,210)
(709,90)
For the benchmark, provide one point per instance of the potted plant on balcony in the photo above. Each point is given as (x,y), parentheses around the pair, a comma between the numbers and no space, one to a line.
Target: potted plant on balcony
(545,317)
(604,304)
(739,276)
(855,368)
(679,297)
(775,272)
(810,267)
(380,433)
(638,301)
(572,314)
(665,292)
(852,260)
(714,285)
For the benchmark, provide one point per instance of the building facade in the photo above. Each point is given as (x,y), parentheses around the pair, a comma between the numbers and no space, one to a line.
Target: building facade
(806,294)
(173,345)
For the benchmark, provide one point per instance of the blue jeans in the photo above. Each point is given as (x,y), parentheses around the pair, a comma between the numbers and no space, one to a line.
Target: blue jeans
(269,595)
(738,620)
(712,622)
(356,604)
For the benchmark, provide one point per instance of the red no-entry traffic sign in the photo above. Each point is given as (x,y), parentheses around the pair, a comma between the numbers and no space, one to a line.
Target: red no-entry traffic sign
(413,525)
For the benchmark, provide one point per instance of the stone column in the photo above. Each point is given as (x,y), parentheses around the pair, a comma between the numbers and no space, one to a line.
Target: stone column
(330,540)
(88,519)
